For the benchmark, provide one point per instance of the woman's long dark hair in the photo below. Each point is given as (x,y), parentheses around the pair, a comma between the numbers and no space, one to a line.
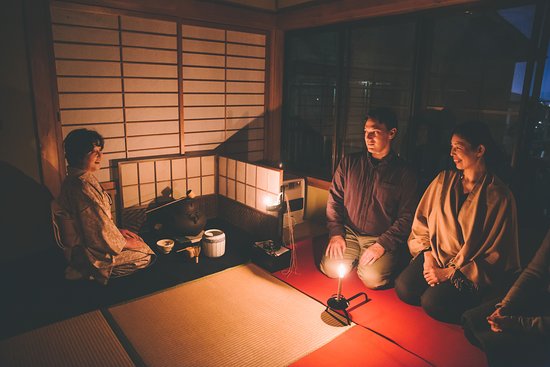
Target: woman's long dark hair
(477,133)
(80,142)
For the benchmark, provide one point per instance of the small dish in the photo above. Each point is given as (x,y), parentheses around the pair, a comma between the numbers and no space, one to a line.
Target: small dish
(165,245)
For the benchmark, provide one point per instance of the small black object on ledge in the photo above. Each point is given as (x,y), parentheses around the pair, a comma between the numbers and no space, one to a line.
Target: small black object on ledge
(342,303)
(270,255)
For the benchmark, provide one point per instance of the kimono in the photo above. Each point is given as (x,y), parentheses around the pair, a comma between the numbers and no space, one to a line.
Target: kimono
(94,245)
(479,239)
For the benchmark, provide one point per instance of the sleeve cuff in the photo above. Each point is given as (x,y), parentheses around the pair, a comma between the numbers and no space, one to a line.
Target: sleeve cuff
(386,244)
(336,232)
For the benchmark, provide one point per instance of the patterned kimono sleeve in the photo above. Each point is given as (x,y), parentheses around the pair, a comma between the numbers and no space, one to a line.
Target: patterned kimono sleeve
(99,231)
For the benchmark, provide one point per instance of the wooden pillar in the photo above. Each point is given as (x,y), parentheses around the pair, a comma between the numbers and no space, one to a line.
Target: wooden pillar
(43,84)
(275,96)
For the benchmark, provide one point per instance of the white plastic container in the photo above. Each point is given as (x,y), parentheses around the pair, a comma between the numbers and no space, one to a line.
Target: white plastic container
(213,243)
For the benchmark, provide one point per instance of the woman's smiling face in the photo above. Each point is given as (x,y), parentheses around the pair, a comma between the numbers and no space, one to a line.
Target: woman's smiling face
(464,155)
(92,160)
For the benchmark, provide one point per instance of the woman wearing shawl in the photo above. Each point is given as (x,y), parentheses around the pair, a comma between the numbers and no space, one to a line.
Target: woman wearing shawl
(94,246)
(464,233)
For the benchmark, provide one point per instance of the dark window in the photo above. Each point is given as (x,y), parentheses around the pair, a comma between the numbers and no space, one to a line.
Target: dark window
(380,74)
(478,65)
(311,70)
(434,68)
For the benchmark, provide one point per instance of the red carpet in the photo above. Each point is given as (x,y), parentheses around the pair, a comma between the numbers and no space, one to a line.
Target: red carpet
(360,347)
(441,344)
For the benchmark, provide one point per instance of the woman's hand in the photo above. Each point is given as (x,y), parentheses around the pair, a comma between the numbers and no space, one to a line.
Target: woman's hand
(133,243)
(429,260)
(433,274)
(129,234)
(437,275)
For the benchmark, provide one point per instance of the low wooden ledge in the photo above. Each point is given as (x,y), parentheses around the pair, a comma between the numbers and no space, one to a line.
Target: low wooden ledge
(318,183)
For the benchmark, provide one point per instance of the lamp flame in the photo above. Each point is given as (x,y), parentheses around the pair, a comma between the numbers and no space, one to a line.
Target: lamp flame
(341,270)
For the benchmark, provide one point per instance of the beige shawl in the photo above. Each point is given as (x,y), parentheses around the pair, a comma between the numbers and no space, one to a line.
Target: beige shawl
(480,239)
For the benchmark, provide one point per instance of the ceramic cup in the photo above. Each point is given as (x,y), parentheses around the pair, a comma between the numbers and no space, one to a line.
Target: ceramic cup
(165,245)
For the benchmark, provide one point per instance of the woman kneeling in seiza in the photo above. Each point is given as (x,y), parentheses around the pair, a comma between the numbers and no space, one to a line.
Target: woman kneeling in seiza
(94,246)
(464,233)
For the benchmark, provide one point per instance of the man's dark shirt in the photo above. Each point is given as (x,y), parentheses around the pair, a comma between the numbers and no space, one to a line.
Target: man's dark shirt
(373,198)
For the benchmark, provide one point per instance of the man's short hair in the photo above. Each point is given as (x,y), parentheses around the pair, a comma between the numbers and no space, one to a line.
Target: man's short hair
(79,143)
(384,115)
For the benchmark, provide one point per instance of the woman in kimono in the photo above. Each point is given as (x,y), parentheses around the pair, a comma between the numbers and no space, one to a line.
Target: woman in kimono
(515,330)
(94,246)
(464,233)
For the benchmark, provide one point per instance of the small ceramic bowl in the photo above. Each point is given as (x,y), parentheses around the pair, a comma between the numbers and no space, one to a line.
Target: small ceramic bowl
(165,245)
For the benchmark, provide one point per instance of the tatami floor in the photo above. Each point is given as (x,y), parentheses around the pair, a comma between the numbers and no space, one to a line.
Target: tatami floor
(160,316)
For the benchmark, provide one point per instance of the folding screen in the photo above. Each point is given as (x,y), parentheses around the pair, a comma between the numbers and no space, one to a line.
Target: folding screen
(142,181)
(250,184)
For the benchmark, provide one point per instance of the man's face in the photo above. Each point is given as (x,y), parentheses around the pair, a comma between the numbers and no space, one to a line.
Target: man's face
(378,138)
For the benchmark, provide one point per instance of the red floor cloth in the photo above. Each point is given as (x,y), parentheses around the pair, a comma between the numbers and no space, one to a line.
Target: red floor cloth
(360,347)
(441,344)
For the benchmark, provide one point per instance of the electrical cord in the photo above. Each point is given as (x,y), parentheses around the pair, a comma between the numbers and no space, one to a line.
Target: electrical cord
(293,268)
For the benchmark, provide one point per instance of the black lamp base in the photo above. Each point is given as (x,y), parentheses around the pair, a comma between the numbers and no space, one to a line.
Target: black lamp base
(335,303)
(341,303)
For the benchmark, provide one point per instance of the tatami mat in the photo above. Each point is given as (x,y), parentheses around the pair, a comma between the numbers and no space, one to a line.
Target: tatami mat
(239,317)
(86,340)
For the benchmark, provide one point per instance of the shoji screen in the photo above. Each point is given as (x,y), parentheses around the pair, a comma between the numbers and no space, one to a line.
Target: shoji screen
(119,76)
(223,90)
(150,75)
(87,57)
(122,76)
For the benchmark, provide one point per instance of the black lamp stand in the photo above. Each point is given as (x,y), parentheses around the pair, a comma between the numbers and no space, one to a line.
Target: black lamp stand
(341,303)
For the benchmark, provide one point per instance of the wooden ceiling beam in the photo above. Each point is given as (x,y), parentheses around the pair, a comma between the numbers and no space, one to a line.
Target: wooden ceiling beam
(349,10)
(196,10)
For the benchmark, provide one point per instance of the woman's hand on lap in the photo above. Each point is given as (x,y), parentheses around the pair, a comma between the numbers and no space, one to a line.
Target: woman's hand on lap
(133,243)
(129,234)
